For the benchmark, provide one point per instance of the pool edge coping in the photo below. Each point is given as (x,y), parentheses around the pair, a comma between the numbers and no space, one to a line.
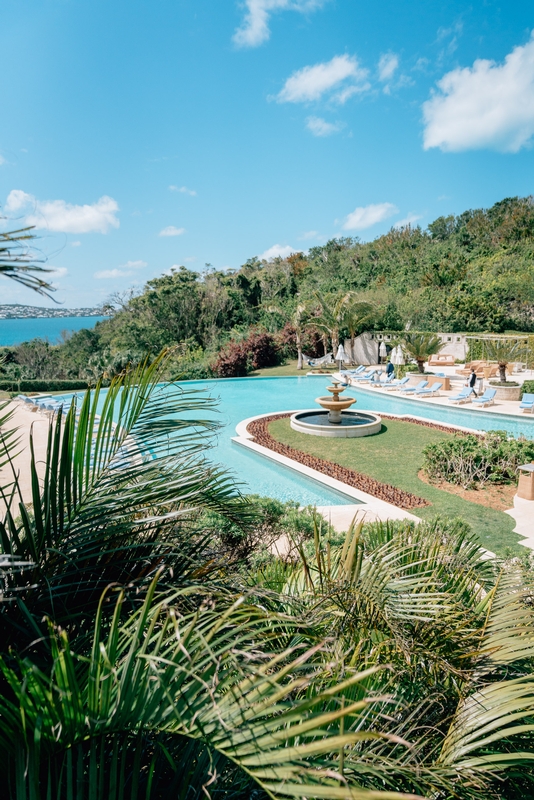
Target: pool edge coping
(382,508)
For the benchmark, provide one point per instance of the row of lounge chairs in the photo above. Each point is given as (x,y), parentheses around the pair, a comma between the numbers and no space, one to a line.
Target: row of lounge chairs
(466,395)
(44,403)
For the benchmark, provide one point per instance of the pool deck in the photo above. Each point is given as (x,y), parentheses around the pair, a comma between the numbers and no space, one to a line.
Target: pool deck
(509,407)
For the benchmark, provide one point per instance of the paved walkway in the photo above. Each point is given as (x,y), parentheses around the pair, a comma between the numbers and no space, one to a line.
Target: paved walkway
(499,407)
(24,421)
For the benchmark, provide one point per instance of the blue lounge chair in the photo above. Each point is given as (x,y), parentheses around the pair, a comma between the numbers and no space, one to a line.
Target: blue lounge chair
(527,403)
(414,389)
(396,384)
(432,391)
(487,399)
(463,396)
(366,377)
(352,372)
(381,384)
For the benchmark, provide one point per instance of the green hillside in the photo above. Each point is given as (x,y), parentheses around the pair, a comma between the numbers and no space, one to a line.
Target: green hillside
(473,272)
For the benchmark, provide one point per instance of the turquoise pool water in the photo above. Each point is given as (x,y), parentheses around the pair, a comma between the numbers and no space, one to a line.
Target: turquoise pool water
(240,398)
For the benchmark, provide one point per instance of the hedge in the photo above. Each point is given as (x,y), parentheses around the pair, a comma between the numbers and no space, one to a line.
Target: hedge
(42,386)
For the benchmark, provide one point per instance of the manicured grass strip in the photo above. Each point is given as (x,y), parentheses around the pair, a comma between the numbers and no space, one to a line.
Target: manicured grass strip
(394,456)
(391,494)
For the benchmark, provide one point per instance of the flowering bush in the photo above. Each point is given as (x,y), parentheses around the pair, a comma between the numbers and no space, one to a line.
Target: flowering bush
(238,358)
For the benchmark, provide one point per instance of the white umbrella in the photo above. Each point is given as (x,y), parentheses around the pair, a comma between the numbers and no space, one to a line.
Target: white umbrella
(397,356)
(340,355)
(383,351)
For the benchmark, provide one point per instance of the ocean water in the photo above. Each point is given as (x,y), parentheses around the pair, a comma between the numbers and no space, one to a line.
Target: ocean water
(15,331)
(241,398)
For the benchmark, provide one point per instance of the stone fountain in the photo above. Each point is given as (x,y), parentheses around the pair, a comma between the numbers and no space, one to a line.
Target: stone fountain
(335,404)
(335,419)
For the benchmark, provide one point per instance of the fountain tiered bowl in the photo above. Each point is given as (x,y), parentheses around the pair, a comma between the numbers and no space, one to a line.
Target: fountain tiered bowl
(336,419)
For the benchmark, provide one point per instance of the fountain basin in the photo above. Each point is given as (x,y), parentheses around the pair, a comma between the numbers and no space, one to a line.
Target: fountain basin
(352,424)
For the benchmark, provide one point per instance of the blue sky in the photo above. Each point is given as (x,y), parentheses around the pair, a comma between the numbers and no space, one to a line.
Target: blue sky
(141,135)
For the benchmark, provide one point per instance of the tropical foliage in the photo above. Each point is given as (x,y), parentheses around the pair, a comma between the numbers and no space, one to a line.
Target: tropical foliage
(470,460)
(503,351)
(470,273)
(145,654)
(19,262)
(420,346)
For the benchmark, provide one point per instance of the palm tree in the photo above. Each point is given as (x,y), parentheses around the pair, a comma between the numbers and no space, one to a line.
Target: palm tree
(452,627)
(502,351)
(18,262)
(420,346)
(339,312)
(298,319)
(358,314)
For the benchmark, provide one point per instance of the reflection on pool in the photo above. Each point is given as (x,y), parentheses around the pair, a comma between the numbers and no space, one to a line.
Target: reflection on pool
(240,398)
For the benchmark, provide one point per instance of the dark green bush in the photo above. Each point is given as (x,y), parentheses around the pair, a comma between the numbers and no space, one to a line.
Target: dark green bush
(42,386)
(527,388)
(472,461)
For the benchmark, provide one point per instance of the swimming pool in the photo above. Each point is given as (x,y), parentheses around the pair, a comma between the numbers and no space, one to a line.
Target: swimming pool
(240,398)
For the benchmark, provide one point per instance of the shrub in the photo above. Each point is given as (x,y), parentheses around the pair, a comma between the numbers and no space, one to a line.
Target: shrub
(471,461)
(238,358)
(42,385)
(527,388)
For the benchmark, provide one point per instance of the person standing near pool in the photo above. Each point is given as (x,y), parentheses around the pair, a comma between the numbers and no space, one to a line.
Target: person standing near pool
(390,369)
(472,381)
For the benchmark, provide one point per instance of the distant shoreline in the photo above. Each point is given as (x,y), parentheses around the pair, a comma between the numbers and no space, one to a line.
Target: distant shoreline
(16,311)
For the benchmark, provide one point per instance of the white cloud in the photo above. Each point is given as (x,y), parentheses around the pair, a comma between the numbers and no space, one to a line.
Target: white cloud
(255,28)
(487,105)
(183,190)
(408,220)
(310,83)
(387,65)
(57,272)
(277,251)
(320,127)
(134,265)
(107,274)
(75,244)
(2,160)
(189,259)
(170,230)
(58,215)
(366,216)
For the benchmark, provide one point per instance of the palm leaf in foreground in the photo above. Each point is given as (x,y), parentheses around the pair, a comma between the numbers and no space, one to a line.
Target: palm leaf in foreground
(167,704)
(125,474)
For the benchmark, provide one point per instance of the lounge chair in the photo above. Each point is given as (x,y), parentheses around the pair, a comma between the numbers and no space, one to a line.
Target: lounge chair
(366,377)
(352,372)
(463,396)
(431,391)
(487,399)
(527,403)
(396,384)
(381,384)
(414,389)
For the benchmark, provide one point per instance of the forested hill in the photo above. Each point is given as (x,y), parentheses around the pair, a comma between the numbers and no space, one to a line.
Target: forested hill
(474,272)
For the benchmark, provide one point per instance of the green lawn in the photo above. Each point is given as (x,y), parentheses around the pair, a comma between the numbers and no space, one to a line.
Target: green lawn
(285,370)
(394,456)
